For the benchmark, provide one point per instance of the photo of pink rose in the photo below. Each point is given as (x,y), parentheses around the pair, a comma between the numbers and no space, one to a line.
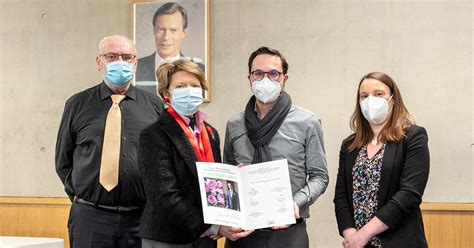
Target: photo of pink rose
(214,192)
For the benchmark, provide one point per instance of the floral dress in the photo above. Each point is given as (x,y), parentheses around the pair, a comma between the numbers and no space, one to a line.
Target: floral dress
(365,183)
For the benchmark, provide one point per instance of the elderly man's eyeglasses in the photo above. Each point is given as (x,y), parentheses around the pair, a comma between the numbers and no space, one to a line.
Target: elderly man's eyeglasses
(272,75)
(111,57)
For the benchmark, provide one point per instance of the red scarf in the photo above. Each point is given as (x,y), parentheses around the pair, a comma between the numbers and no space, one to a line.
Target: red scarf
(201,144)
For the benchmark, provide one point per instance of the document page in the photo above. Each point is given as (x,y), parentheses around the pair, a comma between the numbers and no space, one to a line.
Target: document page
(268,199)
(220,188)
(253,196)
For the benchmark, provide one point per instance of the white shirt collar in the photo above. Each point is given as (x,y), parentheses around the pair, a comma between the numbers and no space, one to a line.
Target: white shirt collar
(159,60)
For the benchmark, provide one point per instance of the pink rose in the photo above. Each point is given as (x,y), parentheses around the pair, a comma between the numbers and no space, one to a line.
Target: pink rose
(212,184)
(212,199)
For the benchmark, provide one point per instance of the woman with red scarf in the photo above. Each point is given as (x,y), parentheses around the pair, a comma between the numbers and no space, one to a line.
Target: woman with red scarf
(168,152)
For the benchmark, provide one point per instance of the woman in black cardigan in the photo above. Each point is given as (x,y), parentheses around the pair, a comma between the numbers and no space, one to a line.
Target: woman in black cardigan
(168,152)
(383,171)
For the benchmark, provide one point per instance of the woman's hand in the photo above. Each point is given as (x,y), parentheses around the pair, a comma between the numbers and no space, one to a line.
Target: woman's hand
(234,233)
(356,240)
(215,237)
(348,232)
(363,236)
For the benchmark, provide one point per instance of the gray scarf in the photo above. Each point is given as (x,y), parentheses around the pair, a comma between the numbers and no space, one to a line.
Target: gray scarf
(260,132)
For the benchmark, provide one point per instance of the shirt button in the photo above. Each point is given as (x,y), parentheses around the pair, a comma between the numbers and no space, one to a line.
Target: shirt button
(124,138)
(124,154)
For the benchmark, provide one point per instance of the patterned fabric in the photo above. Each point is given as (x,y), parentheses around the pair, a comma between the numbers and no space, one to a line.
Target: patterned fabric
(365,182)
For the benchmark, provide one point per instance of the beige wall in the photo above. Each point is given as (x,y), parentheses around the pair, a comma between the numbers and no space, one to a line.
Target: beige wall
(48,49)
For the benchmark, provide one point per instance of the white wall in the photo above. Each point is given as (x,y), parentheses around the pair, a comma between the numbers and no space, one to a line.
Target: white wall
(48,49)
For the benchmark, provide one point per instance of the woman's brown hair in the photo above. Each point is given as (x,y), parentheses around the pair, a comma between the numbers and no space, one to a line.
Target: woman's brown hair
(167,70)
(398,120)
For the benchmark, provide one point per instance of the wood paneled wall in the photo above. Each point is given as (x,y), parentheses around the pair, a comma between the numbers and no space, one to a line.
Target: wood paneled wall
(34,217)
(449,224)
(446,224)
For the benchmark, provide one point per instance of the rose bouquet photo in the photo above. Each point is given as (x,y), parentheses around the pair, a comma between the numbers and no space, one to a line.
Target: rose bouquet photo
(214,192)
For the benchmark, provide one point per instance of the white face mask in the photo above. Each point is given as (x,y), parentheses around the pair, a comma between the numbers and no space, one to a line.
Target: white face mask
(266,90)
(375,109)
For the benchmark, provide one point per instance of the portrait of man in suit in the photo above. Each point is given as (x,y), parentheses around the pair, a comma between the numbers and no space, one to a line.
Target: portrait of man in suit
(171,40)
(232,197)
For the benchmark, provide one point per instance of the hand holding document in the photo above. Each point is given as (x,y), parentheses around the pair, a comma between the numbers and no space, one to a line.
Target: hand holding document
(253,196)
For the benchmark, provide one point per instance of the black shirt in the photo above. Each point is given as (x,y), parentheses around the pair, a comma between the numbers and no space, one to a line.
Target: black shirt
(79,144)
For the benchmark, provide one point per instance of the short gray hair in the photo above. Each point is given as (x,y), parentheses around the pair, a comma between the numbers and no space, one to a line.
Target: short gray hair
(106,39)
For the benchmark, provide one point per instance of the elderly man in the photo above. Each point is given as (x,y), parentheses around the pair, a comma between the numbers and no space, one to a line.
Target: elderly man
(169,23)
(96,151)
(271,128)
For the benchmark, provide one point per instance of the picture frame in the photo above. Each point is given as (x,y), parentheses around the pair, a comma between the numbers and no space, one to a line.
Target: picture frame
(195,45)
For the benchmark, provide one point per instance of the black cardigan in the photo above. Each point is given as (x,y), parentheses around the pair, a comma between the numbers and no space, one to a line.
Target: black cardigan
(167,163)
(405,170)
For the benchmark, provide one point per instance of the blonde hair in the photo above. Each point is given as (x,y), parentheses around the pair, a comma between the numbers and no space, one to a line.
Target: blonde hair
(394,129)
(167,70)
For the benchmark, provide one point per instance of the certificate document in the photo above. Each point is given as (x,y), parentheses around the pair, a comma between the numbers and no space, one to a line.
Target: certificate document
(251,197)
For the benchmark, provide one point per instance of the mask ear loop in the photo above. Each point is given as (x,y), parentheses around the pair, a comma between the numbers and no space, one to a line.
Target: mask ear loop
(391,97)
(166,100)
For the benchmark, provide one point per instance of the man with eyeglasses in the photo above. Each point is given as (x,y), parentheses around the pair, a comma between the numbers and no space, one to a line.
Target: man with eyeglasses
(96,151)
(271,128)
(169,27)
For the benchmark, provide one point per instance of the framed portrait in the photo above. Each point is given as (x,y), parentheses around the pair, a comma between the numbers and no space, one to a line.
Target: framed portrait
(168,30)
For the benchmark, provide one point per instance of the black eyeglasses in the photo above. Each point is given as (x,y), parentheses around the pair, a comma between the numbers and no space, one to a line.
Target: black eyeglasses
(111,57)
(272,75)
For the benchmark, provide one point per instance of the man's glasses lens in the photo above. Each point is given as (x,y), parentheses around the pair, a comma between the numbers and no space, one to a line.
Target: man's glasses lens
(272,75)
(111,57)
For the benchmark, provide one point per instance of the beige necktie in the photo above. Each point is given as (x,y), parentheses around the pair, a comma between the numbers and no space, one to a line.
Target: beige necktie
(109,165)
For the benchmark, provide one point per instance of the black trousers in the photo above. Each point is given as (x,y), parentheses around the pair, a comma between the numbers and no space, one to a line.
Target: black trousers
(204,242)
(294,237)
(92,227)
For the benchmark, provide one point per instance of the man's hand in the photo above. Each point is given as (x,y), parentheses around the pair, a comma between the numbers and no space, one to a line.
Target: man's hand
(280,227)
(234,233)
(297,216)
(297,210)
